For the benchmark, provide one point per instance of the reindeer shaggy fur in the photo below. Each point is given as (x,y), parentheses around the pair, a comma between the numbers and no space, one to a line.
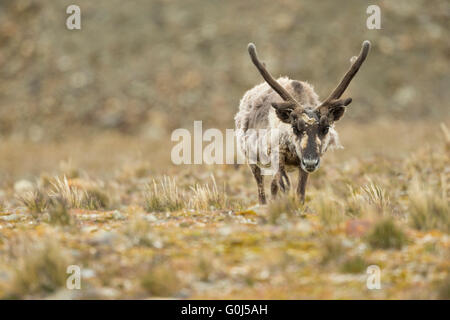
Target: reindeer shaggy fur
(305,125)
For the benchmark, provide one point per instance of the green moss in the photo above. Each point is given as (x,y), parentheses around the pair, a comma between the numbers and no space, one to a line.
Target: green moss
(354,265)
(386,235)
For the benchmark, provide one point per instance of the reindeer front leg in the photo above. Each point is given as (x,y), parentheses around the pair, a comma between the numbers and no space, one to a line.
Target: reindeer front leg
(301,188)
(281,179)
(260,182)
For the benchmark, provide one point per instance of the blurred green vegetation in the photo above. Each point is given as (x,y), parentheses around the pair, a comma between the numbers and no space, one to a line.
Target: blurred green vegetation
(147,67)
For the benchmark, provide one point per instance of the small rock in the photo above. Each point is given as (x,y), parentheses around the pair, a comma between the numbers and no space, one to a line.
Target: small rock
(103,238)
(88,273)
(89,229)
(304,227)
(4,276)
(150,218)
(225,231)
(158,244)
(117,215)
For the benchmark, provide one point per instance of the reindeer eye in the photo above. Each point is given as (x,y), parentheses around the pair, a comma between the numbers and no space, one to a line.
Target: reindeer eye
(324,130)
(298,127)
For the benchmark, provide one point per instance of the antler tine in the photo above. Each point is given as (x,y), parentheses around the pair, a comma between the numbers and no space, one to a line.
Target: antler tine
(339,90)
(268,77)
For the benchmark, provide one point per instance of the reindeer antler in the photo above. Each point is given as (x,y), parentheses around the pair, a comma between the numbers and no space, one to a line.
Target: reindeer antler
(356,64)
(268,77)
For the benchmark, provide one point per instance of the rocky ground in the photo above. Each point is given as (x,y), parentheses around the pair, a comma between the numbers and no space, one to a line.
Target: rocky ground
(147,231)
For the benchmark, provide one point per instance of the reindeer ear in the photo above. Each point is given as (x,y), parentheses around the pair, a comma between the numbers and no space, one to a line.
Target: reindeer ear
(335,109)
(336,113)
(283,110)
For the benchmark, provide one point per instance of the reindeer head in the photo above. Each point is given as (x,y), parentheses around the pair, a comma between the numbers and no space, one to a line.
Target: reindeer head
(310,126)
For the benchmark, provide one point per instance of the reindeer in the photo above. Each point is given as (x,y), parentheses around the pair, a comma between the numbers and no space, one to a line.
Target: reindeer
(305,125)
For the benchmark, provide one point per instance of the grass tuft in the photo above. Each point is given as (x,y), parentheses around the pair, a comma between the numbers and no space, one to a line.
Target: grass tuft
(40,272)
(386,235)
(284,207)
(354,265)
(428,209)
(95,198)
(74,197)
(36,201)
(91,198)
(58,212)
(208,198)
(377,196)
(328,209)
(163,195)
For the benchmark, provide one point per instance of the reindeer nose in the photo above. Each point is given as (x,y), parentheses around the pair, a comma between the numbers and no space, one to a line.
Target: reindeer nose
(310,164)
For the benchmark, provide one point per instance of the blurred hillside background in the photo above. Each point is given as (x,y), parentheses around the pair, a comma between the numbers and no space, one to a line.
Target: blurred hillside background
(86,178)
(148,67)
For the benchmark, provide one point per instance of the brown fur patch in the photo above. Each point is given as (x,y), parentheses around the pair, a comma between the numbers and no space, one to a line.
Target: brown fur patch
(318,144)
(304,142)
(318,141)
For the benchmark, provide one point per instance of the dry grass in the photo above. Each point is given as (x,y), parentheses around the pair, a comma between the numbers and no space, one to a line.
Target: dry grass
(329,209)
(58,212)
(206,197)
(90,197)
(164,195)
(35,201)
(428,209)
(95,198)
(40,272)
(358,211)
(74,197)
(283,208)
(376,196)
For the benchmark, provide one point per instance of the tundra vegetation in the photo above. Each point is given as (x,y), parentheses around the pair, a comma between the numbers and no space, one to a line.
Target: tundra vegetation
(86,177)
(198,231)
